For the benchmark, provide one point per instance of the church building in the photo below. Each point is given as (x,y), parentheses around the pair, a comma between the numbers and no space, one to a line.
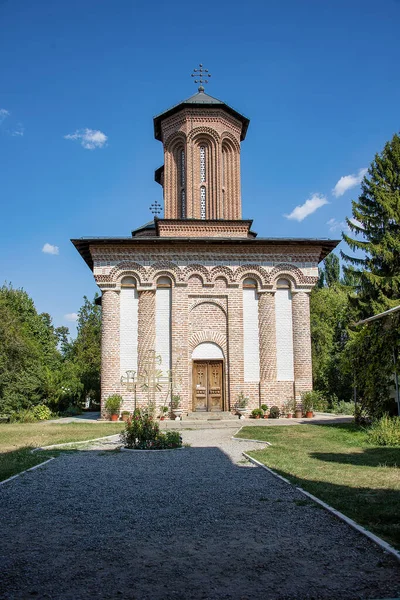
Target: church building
(218,310)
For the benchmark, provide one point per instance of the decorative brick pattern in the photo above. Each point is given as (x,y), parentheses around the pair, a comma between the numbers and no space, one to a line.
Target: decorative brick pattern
(302,342)
(199,229)
(110,327)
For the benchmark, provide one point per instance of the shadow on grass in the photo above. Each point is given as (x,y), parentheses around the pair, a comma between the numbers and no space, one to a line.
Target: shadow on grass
(371,457)
(377,509)
(15,461)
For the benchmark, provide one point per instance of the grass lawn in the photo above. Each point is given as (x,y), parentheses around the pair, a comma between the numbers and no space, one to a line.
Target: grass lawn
(336,464)
(17,439)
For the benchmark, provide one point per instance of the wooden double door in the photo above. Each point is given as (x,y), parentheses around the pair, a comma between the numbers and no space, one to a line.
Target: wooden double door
(208,385)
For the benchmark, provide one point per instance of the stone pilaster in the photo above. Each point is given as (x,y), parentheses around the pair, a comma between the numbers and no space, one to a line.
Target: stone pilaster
(235,366)
(301,342)
(146,337)
(181,359)
(267,336)
(110,361)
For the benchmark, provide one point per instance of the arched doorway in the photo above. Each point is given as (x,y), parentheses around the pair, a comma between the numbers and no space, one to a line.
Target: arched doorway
(208,378)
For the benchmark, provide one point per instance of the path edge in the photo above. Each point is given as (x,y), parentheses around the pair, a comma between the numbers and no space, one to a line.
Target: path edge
(374,538)
(26,470)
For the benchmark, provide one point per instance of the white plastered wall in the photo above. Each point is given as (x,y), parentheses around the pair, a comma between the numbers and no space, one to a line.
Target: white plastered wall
(128,329)
(251,346)
(284,335)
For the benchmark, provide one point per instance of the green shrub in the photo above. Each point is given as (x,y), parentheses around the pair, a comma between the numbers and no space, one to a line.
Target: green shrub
(313,400)
(385,432)
(113,404)
(42,412)
(264,407)
(25,415)
(143,433)
(344,408)
(72,411)
(274,412)
(257,412)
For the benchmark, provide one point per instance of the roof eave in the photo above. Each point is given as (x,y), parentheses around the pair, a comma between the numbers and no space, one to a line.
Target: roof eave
(83,244)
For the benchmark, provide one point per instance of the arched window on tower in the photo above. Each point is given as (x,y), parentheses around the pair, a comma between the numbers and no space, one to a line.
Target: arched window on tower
(181,180)
(203,179)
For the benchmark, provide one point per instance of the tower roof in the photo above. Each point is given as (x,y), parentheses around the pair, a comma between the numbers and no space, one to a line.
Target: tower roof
(201,99)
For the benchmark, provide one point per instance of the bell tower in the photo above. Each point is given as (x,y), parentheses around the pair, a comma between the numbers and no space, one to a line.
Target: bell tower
(200,177)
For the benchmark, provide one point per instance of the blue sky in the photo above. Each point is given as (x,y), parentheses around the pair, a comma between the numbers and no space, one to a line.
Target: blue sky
(318,80)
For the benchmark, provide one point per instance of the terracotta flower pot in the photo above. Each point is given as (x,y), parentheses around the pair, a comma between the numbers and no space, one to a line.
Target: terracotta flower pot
(309,414)
(265,417)
(125,418)
(289,416)
(114,417)
(298,414)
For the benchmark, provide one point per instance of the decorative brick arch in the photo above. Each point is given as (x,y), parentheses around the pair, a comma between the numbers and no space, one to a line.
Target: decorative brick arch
(252,272)
(214,301)
(227,136)
(222,271)
(164,268)
(204,132)
(286,270)
(208,336)
(174,140)
(125,268)
(195,269)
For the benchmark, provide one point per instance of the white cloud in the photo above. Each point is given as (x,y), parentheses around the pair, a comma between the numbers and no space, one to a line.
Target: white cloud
(347,182)
(89,138)
(50,249)
(72,317)
(304,210)
(18,131)
(3,114)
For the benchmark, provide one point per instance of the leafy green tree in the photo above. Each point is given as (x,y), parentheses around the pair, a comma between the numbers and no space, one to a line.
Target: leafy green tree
(329,273)
(329,320)
(28,346)
(376,225)
(86,350)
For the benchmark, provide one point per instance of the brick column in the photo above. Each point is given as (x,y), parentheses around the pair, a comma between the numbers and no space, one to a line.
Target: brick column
(267,336)
(235,348)
(146,325)
(181,360)
(110,364)
(301,342)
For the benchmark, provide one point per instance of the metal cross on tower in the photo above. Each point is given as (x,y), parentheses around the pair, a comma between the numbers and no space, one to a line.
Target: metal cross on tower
(202,75)
(155,208)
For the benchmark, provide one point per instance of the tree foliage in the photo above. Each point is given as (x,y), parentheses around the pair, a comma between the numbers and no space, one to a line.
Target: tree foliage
(376,225)
(39,364)
(373,276)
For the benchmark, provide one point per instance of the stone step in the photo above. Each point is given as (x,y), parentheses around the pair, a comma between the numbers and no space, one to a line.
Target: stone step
(210,416)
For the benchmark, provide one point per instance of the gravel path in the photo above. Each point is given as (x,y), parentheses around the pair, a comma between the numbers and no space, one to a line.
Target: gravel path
(195,523)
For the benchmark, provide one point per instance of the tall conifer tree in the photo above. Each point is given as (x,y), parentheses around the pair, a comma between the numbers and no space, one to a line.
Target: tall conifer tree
(376,223)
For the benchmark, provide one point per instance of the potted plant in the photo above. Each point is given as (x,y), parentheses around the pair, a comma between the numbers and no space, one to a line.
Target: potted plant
(125,415)
(163,412)
(307,401)
(265,410)
(274,412)
(113,406)
(241,404)
(175,406)
(257,413)
(290,407)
